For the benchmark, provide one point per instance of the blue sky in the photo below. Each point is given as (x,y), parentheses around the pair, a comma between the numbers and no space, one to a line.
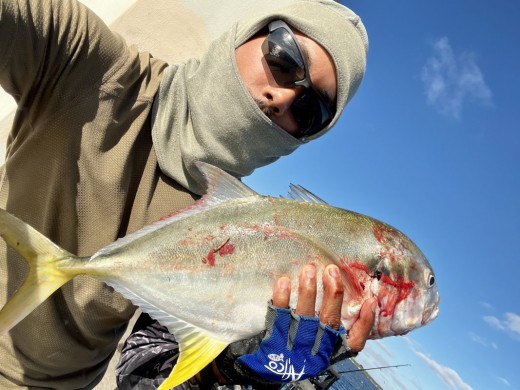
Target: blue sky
(431,145)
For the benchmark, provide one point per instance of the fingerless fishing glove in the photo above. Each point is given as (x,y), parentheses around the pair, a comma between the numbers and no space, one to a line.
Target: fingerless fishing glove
(294,348)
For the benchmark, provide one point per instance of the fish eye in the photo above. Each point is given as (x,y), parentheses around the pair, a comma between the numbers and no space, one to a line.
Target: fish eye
(378,274)
(431,280)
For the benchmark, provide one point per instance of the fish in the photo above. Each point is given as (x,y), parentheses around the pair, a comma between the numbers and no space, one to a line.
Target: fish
(207,272)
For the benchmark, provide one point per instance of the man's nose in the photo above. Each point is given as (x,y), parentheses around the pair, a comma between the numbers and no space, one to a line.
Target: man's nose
(280,99)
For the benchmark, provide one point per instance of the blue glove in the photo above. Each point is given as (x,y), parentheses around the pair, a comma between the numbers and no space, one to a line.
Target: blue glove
(293,349)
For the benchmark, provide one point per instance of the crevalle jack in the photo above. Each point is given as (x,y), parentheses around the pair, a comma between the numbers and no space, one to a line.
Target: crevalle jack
(207,272)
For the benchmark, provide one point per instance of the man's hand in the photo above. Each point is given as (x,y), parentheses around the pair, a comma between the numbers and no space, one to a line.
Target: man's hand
(330,313)
(244,361)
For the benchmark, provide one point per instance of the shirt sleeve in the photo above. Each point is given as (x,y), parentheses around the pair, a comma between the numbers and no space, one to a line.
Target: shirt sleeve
(52,50)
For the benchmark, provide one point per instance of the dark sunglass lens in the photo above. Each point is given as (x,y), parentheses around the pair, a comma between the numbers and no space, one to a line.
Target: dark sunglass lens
(283,57)
(311,113)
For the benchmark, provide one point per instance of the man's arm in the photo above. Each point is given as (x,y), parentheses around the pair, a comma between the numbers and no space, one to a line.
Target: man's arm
(52,51)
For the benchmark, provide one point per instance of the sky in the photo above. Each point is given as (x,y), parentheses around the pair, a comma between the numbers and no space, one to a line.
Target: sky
(431,145)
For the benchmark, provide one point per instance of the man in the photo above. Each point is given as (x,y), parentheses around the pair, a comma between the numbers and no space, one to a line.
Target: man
(105,139)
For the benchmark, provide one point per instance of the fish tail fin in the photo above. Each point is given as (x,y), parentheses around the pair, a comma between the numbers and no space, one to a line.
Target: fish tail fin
(45,275)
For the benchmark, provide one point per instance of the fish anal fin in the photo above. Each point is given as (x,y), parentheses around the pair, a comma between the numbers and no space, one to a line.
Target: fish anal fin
(197,351)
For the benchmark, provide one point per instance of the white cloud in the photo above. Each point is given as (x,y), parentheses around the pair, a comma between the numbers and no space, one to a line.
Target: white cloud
(448,375)
(375,354)
(482,341)
(451,80)
(503,381)
(510,324)
(513,322)
(487,306)
(494,322)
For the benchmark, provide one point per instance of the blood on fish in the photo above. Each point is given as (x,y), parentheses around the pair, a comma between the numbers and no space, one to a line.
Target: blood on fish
(226,249)
(211,259)
(359,266)
(381,232)
(399,284)
(394,295)
(348,269)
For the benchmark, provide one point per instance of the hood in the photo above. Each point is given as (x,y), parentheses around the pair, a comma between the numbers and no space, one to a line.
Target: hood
(204,112)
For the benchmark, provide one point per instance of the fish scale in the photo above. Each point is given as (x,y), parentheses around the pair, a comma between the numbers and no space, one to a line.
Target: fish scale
(207,272)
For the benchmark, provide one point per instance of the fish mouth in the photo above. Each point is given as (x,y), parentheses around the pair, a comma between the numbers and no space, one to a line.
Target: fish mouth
(431,312)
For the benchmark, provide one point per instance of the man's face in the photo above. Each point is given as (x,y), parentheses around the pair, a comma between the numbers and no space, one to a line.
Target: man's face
(274,100)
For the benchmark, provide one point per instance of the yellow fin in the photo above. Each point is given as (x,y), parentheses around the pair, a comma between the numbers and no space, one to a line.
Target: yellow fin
(197,351)
(45,277)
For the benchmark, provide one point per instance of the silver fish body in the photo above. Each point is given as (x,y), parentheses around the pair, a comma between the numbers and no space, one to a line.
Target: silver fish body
(207,272)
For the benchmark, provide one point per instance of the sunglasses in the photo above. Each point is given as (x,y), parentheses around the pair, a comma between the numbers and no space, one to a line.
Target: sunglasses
(287,64)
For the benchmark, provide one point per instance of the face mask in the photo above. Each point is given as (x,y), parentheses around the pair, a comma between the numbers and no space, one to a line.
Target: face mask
(204,112)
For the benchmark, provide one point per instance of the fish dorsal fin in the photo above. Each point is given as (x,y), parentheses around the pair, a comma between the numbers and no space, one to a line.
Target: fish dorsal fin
(197,347)
(299,193)
(220,188)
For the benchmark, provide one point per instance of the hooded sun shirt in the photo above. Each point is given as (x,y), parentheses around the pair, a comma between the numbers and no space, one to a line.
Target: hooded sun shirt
(204,112)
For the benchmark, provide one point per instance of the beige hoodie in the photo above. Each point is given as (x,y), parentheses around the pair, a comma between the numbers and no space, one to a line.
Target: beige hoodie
(81,168)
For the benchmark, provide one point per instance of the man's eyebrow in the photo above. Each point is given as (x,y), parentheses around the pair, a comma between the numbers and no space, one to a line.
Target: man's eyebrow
(305,52)
(324,94)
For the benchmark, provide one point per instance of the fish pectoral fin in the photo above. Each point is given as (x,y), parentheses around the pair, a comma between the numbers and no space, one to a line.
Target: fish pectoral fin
(197,350)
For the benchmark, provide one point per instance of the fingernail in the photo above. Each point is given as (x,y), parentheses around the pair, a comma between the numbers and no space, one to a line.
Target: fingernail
(334,272)
(283,283)
(310,271)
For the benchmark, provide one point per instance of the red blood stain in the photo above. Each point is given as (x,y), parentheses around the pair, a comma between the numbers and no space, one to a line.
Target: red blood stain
(381,233)
(402,285)
(359,266)
(210,259)
(226,249)
(194,205)
(394,291)
(348,271)
(283,234)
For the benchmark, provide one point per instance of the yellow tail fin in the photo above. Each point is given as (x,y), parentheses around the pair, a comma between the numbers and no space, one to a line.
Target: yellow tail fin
(45,277)
(197,351)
